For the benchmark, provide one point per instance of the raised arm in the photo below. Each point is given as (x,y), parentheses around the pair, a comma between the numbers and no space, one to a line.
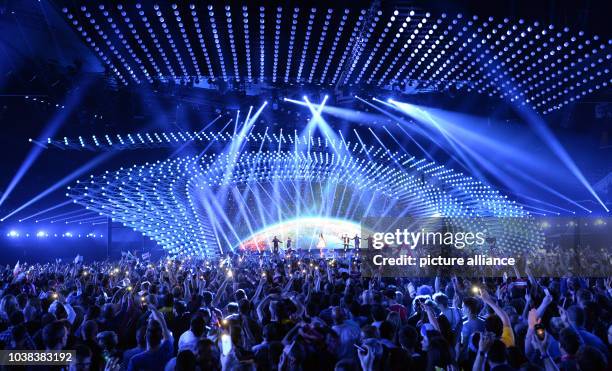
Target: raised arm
(545,303)
(162,321)
(486,297)
(431,316)
(220,291)
(486,340)
(261,306)
(258,291)
(187,290)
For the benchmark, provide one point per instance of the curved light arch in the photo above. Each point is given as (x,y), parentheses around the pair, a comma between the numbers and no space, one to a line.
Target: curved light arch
(207,204)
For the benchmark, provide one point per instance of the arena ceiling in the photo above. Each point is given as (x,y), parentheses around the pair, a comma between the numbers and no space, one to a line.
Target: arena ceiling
(393,46)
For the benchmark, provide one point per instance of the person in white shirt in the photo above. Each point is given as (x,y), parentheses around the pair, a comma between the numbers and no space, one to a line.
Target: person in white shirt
(189,339)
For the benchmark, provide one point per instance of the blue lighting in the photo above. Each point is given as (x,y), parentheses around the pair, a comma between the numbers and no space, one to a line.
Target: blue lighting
(529,64)
(205,204)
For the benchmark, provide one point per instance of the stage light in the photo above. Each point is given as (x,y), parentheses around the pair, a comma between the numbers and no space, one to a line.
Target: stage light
(504,59)
(193,235)
(41,234)
(13,233)
(86,167)
(599,222)
(347,50)
(50,129)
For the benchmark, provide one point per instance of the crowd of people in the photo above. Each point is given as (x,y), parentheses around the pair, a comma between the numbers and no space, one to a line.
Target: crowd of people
(248,311)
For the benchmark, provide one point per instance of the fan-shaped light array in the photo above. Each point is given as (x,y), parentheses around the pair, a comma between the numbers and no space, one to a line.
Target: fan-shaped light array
(538,65)
(179,202)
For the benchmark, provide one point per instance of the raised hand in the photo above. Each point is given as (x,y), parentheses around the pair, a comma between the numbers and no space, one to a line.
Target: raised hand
(527,297)
(548,298)
(485,296)
(112,365)
(563,314)
(485,342)
(366,358)
(532,318)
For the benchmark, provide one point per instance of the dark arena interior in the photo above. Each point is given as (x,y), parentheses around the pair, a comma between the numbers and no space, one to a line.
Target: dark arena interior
(305,185)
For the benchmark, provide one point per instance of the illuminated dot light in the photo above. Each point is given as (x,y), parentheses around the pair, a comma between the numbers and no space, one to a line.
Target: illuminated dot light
(317,55)
(164,200)
(387,52)
(472,38)
(217,40)
(143,46)
(439,43)
(45,234)
(363,42)
(156,42)
(416,32)
(439,58)
(173,46)
(334,46)
(124,41)
(230,31)
(541,66)
(108,42)
(349,46)
(196,24)
(294,22)
(181,26)
(277,35)
(262,43)
(75,23)
(311,18)
(247,43)
(488,38)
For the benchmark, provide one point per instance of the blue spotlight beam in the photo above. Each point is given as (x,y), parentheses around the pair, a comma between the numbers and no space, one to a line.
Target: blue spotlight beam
(59,215)
(65,180)
(211,143)
(62,204)
(261,210)
(236,121)
(545,203)
(550,212)
(551,141)
(87,220)
(424,117)
(540,184)
(66,219)
(184,145)
(399,121)
(50,129)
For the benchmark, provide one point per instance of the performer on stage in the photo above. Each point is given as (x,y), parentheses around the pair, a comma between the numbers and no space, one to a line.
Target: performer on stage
(345,242)
(321,244)
(275,243)
(288,243)
(370,240)
(357,242)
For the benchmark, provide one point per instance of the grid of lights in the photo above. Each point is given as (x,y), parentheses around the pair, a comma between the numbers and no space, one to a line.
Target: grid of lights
(163,200)
(13,233)
(158,139)
(542,66)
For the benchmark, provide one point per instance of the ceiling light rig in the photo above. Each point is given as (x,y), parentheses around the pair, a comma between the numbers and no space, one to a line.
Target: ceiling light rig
(532,64)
